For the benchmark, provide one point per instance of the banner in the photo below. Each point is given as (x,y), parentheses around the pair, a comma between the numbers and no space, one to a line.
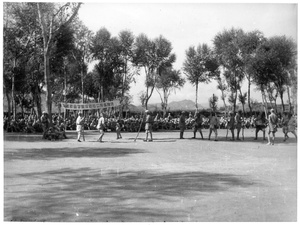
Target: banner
(87,106)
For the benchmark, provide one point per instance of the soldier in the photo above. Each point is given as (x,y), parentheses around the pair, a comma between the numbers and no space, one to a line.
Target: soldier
(272,127)
(45,123)
(213,126)
(148,126)
(260,124)
(292,123)
(197,124)
(284,123)
(118,128)
(238,122)
(182,124)
(231,125)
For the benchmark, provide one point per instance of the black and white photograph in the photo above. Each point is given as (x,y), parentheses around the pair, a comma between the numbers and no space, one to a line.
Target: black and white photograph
(149,111)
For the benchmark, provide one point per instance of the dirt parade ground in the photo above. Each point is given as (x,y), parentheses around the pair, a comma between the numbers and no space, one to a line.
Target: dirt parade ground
(188,180)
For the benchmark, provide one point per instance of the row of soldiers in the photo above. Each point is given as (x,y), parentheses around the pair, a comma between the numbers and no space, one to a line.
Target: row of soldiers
(237,122)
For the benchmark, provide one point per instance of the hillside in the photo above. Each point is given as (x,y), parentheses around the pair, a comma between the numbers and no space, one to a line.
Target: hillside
(187,105)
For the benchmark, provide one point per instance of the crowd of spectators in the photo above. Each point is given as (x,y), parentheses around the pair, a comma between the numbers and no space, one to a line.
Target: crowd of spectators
(32,124)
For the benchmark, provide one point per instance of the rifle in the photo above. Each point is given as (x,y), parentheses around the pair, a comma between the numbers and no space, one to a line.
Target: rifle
(83,138)
(243,126)
(140,127)
(82,129)
(226,125)
(226,131)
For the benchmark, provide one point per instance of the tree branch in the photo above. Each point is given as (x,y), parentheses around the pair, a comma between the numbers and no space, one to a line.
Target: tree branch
(73,15)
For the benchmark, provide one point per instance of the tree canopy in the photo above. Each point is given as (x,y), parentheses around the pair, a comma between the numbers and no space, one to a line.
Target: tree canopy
(48,50)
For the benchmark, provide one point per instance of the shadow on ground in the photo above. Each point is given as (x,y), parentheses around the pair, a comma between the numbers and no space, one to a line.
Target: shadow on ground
(37,137)
(79,152)
(67,195)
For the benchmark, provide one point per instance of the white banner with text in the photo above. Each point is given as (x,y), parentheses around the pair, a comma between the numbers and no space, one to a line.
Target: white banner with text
(87,106)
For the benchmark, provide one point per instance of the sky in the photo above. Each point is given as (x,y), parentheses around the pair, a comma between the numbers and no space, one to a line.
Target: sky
(189,24)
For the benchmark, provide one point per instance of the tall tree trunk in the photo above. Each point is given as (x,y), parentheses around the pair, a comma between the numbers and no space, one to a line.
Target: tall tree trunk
(146,99)
(196,103)
(265,105)
(235,99)
(271,102)
(46,46)
(243,109)
(223,98)
(65,92)
(243,103)
(281,97)
(48,85)
(102,93)
(82,80)
(289,97)
(249,100)
(146,104)
(22,110)
(148,96)
(165,103)
(8,106)
(13,103)
(36,96)
(236,91)
(39,103)
(121,108)
(225,106)
(149,73)
(33,112)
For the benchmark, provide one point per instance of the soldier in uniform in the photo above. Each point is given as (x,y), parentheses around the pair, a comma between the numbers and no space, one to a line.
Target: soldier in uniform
(231,125)
(238,122)
(45,123)
(213,126)
(197,124)
(148,126)
(292,123)
(272,127)
(260,124)
(182,124)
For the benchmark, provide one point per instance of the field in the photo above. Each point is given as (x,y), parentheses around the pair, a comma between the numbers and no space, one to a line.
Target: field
(169,179)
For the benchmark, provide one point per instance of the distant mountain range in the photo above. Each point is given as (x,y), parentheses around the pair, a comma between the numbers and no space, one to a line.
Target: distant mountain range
(172,106)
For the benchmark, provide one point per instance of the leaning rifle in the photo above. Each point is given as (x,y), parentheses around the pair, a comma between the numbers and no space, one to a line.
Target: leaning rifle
(142,119)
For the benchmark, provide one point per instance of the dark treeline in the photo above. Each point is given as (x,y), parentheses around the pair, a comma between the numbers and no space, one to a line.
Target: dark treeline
(47,50)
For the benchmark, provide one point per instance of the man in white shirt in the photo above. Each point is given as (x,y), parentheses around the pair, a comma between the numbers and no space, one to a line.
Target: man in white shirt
(79,125)
(101,126)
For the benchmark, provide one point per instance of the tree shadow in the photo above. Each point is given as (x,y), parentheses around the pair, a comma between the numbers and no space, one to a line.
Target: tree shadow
(23,137)
(79,152)
(85,195)
(37,137)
